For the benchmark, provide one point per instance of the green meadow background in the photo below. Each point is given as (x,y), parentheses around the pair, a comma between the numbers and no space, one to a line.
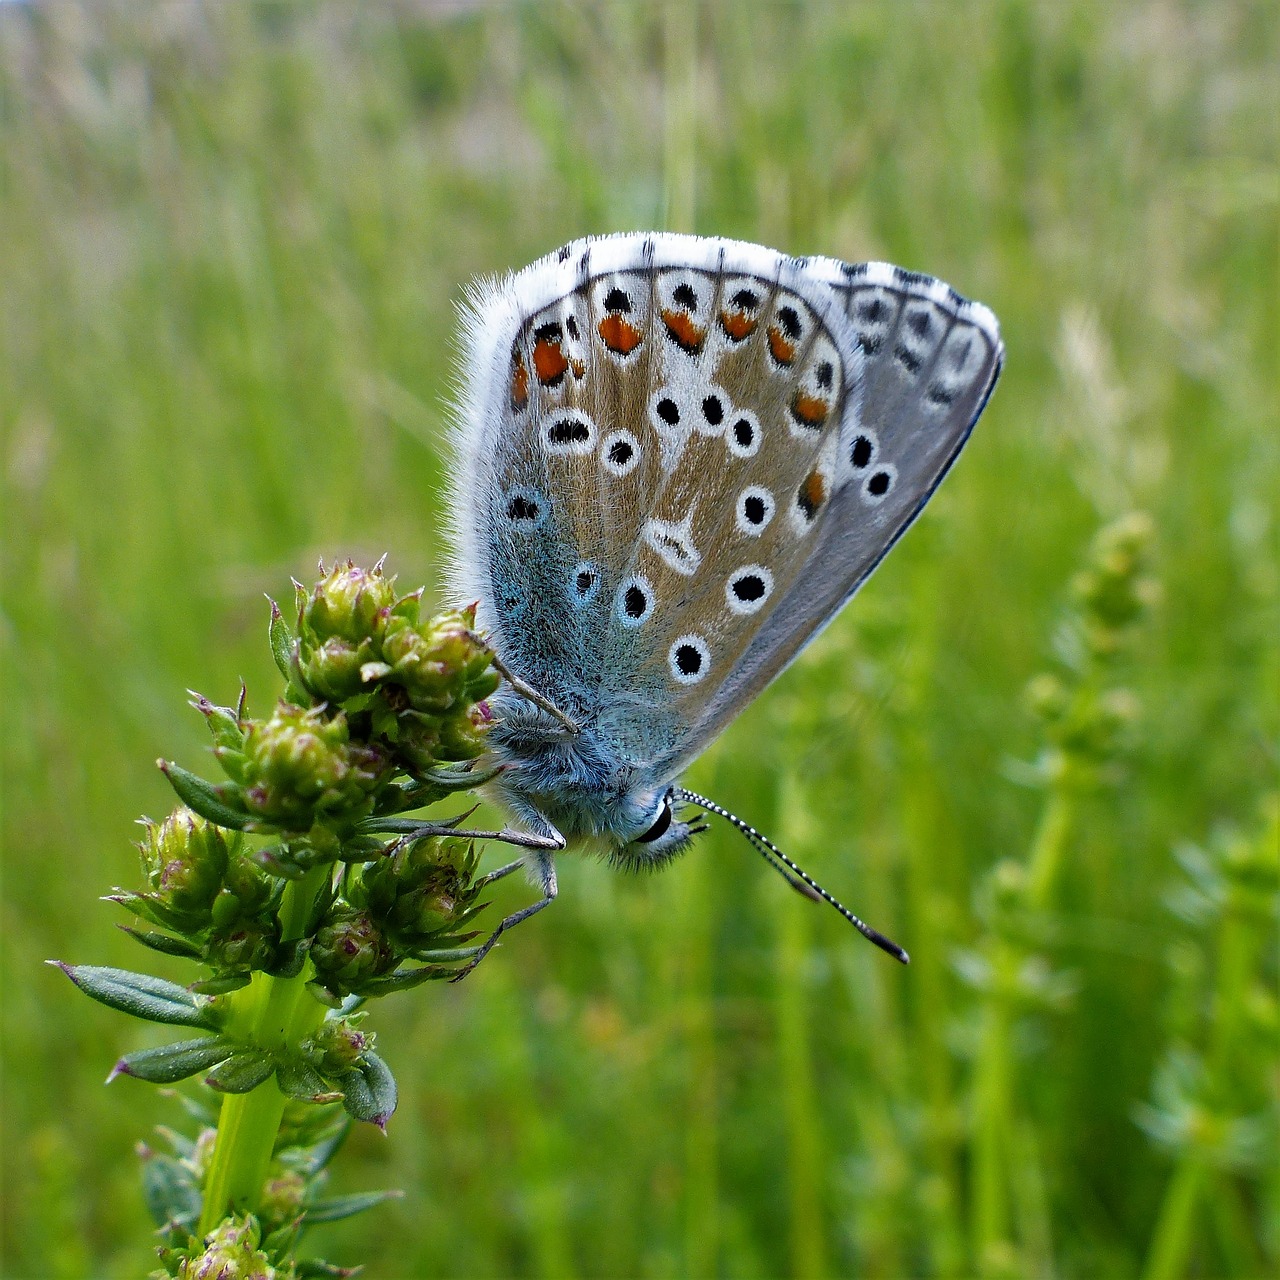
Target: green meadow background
(232,241)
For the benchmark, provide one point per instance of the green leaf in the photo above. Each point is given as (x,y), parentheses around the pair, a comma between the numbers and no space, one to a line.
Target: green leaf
(300,1079)
(405,980)
(281,641)
(328,1144)
(170,1191)
(221,983)
(141,995)
(369,1091)
(172,1062)
(319,1269)
(339,1207)
(203,797)
(242,1072)
(163,943)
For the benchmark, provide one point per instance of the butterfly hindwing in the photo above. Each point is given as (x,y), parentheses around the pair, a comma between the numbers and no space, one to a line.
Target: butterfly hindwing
(680,456)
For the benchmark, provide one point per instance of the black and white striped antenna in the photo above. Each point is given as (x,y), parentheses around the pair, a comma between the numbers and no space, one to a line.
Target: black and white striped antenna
(796,876)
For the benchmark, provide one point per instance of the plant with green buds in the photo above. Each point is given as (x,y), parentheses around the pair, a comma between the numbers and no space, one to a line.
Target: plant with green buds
(303,885)
(1213,1104)
(1088,722)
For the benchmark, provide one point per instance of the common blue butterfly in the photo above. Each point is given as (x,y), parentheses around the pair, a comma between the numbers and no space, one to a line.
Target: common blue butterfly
(676,458)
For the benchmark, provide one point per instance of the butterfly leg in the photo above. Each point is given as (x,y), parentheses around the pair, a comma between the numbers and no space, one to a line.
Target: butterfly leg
(544,868)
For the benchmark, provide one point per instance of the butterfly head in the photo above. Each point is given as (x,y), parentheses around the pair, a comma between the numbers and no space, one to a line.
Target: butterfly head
(667,835)
(576,782)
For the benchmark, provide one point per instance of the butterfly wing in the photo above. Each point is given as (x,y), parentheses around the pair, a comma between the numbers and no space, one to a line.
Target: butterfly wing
(929,362)
(680,456)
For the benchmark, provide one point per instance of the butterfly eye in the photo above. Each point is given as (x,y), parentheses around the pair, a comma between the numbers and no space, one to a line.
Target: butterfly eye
(661,824)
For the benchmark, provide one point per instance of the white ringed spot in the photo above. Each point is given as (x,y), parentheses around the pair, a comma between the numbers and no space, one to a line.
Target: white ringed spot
(755,509)
(569,431)
(748,589)
(688,659)
(743,434)
(879,484)
(634,602)
(620,453)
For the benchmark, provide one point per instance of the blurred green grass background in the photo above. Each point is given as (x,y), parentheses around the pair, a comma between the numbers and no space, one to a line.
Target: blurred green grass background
(232,238)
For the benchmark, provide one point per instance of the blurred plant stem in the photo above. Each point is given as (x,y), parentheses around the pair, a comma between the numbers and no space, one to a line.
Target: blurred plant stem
(803,1127)
(1086,719)
(1215,1104)
(995,1085)
(926,833)
(272,1012)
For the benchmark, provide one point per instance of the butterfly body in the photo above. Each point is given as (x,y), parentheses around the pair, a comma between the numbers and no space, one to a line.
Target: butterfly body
(677,457)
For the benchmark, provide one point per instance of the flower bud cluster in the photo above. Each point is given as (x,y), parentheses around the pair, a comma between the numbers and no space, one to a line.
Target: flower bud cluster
(414,903)
(1089,722)
(205,889)
(378,700)
(358,641)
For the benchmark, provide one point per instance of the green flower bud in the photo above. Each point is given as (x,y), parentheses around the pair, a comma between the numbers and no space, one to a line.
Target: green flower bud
(462,735)
(1047,697)
(1112,590)
(245,945)
(230,1253)
(438,663)
(351,604)
(185,859)
(349,949)
(301,764)
(340,629)
(282,1198)
(338,1045)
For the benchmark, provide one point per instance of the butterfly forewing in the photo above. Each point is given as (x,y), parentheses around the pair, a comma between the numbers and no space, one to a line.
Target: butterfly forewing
(683,455)
(929,362)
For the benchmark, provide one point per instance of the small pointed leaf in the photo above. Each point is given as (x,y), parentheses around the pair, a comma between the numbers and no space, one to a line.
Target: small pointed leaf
(319,1269)
(169,1063)
(170,1191)
(300,1079)
(141,995)
(163,942)
(242,1072)
(221,983)
(281,641)
(203,797)
(339,1207)
(405,980)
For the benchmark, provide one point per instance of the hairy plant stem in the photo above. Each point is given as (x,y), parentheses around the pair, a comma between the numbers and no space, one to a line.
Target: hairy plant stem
(271,1013)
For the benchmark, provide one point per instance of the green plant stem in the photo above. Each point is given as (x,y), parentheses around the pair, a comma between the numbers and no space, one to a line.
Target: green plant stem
(270,1012)
(1049,847)
(799,1095)
(994,1078)
(1172,1242)
(991,1126)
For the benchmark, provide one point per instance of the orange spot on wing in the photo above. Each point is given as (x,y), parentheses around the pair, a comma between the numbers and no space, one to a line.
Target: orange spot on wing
(815,489)
(549,362)
(738,324)
(519,383)
(618,334)
(578,367)
(781,347)
(809,411)
(681,326)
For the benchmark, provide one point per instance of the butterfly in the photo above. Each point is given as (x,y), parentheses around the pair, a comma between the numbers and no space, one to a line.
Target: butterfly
(676,458)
